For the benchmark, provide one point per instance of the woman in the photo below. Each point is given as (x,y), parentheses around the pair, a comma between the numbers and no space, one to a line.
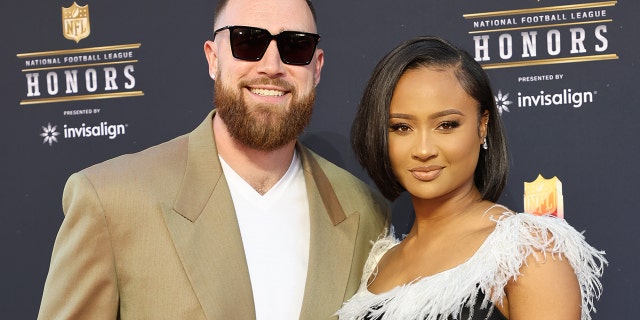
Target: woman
(428,124)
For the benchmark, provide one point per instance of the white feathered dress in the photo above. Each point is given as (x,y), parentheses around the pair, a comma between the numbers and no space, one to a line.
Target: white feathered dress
(458,291)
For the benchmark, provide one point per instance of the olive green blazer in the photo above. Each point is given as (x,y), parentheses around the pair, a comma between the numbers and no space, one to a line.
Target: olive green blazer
(154,235)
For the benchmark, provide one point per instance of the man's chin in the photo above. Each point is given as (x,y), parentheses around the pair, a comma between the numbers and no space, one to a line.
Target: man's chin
(264,119)
(269,109)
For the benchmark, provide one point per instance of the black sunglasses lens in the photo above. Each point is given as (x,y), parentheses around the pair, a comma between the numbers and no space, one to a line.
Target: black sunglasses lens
(295,47)
(249,43)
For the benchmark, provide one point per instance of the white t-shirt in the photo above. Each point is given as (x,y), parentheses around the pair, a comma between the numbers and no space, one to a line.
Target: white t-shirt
(275,231)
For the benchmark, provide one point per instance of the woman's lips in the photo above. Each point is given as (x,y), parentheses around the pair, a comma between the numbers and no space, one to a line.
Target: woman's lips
(426,173)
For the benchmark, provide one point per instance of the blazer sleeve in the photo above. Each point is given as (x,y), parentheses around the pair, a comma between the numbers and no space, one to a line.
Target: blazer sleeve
(81,283)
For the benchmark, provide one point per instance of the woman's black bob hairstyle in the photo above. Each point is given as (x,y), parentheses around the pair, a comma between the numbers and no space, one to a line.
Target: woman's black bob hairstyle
(370,128)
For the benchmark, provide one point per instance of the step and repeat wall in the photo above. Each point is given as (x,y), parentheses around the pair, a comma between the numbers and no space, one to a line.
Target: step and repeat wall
(82,82)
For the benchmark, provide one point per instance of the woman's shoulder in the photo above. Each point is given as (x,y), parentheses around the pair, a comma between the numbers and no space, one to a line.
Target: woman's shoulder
(518,236)
(546,233)
(385,241)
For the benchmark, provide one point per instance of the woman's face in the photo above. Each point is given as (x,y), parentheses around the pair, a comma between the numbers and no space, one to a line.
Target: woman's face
(434,134)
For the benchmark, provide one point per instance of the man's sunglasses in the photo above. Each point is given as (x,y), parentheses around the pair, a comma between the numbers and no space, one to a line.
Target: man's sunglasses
(249,43)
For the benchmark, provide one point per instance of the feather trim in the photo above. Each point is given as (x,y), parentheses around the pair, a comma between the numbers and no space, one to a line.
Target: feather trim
(497,261)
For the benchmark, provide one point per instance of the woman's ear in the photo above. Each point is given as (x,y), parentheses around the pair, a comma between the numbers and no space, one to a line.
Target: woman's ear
(484,124)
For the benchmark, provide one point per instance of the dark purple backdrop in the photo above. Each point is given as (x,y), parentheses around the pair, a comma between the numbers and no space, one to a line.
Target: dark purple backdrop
(592,148)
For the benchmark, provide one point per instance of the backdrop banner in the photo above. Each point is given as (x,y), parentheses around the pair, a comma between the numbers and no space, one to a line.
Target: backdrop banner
(85,81)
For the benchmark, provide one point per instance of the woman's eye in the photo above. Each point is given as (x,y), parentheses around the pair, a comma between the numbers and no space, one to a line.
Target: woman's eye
(399,127)
(448,125)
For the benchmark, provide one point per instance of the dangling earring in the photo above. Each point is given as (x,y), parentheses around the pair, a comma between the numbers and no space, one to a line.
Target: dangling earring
(484,143)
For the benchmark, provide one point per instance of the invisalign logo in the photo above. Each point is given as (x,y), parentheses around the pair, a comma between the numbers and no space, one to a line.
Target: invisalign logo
(566,97)
(50,134)
(104,129)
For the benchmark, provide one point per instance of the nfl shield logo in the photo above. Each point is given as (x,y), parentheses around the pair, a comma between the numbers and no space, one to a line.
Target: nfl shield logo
(75,22)
(544,196)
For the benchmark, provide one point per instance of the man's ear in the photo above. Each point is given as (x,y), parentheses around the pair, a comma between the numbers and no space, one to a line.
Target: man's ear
(211,53)
(318,67)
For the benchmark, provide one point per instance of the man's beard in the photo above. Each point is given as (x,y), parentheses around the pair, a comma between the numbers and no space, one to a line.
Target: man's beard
(265,127)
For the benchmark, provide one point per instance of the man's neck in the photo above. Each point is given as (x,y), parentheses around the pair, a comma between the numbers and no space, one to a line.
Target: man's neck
(261,169)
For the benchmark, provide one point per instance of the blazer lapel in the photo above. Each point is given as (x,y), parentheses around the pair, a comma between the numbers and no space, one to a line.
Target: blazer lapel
(333,236)
(206,234)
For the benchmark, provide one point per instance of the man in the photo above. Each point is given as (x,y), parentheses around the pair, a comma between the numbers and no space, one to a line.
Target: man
(235,220)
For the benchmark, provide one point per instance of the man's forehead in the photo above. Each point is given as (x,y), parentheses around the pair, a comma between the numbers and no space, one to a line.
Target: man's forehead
(273,15)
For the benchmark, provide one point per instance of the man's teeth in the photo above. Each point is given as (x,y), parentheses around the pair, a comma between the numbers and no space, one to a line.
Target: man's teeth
(268,92)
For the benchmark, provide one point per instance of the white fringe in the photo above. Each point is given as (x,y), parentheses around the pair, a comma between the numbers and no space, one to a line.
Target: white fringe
(497,261)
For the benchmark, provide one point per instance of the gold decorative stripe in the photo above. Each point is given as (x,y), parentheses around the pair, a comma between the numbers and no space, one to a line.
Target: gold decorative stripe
(537,10)
(549,61)
(541,26)
(81,65)
(83,97)
(82,50)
